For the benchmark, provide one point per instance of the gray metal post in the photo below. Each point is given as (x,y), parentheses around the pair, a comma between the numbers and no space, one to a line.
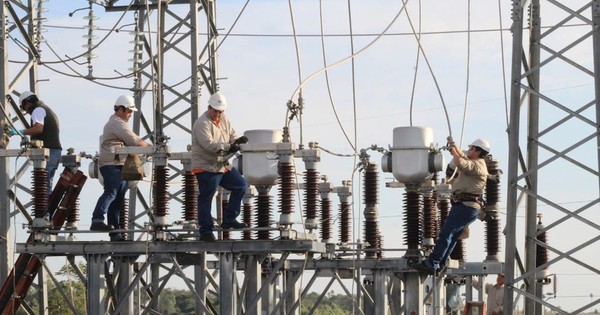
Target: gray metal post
(413,294)
(200,276)
(252,273)
(95,285)
(228,289)
(513,154)
(380,292)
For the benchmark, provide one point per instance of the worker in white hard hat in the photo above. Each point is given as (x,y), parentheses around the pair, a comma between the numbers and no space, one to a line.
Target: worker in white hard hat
(44,127)
(467,192)
(116,133)
(212,137)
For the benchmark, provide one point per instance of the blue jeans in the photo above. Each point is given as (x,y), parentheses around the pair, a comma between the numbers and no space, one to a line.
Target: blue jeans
(459,217)
(111,200)
(208,183)
(51,166)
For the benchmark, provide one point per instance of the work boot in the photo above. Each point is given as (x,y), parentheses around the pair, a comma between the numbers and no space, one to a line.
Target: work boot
(423,267)
(233,225)
(101,226)
(207,237)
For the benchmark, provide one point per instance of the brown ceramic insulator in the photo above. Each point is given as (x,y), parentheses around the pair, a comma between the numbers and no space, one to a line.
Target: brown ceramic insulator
(263,215)
(459,251)
(247,217)
(444,208)
(413,222)
(286,188)
(370,185)
(492,191)
(224,208)
(124,217)
(160,189)
(344,222)
(430,217)
(310,193)
(190,192)
(492,237)
(541,252)
(326,219)
(40,192)
(73,215)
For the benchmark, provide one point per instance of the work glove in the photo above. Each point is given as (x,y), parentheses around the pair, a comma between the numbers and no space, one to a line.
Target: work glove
(234,147)
(241,140)
(14,132)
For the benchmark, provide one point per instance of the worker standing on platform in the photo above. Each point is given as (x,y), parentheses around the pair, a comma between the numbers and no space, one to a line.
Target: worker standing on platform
(213,137)
(116,133)
(44,127)
(467,192)
(495,295)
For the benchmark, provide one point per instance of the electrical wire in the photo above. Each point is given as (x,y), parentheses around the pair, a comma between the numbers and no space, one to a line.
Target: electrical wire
(504,89)
(468,75)
(327,83)
(414,84)
(297,49)
(313,75)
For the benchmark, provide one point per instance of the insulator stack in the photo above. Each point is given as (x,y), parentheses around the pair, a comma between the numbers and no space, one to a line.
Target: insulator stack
(371,232)
(325,218)
(190,191)
(413,223)
(541,252)
(263,212)
(73,215)
(247,217)
(344,222)
(444,207)
(286,188)
(224,208)
(311,192)
(40,192)
(459,251)
(370,185)
(430,217)
(160,189)
(492,197)
(124,217)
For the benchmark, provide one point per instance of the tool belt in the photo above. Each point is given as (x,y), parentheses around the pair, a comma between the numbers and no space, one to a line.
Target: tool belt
(464,197)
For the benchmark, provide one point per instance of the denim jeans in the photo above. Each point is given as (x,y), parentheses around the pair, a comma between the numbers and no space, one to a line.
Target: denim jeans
(51,166)
(208,183)
(111,200)
(459,217)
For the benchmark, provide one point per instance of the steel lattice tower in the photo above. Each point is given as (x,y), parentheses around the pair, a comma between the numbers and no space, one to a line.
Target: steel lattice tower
(559,142)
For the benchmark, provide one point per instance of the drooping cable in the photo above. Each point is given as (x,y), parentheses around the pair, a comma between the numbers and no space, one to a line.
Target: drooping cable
(437,86)
(462,130)
(414,85)
(502,58)
(335,64)
(299,70)
(337,117)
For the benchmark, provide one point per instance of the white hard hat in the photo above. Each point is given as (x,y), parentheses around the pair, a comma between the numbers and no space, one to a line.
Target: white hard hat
(25,95)
(217,101)
(125,101)
(481,143)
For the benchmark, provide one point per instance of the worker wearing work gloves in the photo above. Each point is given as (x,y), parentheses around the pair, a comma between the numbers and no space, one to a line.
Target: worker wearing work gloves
(116,133)
(467,191)
(213,137)
(45,127)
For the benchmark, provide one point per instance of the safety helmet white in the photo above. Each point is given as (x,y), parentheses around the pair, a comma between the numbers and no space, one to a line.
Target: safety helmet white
(25,95)
(125,101)
(481,143)
(217,101)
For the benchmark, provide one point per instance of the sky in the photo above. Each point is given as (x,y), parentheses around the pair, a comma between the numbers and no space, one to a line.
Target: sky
(457,85)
